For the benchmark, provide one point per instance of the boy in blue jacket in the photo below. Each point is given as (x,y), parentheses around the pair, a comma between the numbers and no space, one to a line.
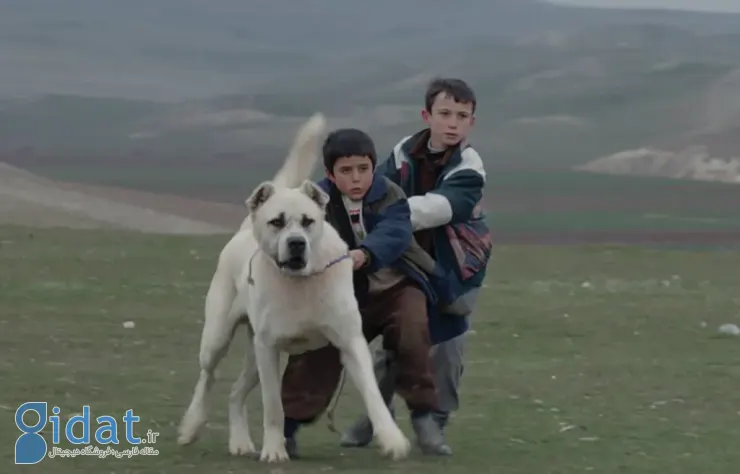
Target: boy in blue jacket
(443,177)
(392,286)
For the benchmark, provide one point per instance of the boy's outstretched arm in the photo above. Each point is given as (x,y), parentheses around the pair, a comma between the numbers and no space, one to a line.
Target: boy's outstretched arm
(452,202)
(455,198)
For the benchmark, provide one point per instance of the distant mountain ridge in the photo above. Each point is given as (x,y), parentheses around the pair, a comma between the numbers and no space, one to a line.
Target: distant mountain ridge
(195,81)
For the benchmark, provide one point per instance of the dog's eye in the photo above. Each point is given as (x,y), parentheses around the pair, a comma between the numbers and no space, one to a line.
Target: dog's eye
(278,222)
(306,221)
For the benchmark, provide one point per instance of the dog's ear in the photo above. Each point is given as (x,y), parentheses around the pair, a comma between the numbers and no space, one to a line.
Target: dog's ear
(315,193)
(260,196)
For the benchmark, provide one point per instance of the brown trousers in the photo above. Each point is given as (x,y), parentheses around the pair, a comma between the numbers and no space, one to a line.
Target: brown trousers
(398,314)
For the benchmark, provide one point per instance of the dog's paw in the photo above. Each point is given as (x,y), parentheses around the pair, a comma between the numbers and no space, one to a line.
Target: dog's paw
(189,431)
(241,446)
(393,443)
(273,446)
(186,439)
(191,425)
(275,455)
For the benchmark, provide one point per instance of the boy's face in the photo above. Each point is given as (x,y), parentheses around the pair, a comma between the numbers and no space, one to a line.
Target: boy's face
(449,121)
(352,175)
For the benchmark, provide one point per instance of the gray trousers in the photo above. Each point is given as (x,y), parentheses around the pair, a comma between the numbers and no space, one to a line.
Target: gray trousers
(447,361)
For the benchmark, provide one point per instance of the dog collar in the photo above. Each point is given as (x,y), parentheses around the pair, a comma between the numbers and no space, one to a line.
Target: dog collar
(337,260)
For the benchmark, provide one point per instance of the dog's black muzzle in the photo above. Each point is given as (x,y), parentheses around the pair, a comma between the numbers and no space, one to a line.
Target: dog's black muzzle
(296,254)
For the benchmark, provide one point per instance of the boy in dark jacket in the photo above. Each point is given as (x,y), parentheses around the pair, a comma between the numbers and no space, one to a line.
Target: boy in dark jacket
(392,288)
(443,177)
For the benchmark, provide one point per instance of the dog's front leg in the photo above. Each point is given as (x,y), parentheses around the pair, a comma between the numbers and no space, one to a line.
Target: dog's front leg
(240,440)
(218,331)
(268,366)
(358,362)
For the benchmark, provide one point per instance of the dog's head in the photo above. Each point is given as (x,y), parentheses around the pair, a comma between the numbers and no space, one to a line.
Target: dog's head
(288,223)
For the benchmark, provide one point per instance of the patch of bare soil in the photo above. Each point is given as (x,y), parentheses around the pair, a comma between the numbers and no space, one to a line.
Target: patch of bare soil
(691,163)
(27,199)
(216,213)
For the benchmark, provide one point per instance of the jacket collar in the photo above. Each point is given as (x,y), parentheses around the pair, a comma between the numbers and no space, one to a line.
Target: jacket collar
(377,190)
(417,143)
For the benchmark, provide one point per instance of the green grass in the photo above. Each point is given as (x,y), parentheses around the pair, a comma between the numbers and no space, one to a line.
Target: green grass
(582,359)
(562,201)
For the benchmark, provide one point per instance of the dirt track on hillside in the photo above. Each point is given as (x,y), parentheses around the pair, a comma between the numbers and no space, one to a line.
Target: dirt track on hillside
(29,200)
(34,201)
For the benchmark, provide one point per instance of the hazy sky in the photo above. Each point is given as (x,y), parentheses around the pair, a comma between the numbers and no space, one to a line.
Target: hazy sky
(711,5)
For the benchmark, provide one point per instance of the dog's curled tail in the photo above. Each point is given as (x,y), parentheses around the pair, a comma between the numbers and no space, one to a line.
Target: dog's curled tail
(304,154)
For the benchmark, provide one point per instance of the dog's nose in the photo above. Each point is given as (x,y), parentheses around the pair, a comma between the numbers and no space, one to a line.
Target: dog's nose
(296,246)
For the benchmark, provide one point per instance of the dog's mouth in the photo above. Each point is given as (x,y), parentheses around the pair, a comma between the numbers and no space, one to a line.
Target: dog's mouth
(293,263)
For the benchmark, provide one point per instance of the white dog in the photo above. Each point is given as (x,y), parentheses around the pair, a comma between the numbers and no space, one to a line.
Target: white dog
(286,274)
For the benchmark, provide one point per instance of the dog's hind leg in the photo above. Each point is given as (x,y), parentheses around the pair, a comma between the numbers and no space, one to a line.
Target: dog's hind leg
(218,331)
(240,440)
(358,362)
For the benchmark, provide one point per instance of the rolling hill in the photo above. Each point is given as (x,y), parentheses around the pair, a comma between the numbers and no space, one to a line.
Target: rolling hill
(192,93)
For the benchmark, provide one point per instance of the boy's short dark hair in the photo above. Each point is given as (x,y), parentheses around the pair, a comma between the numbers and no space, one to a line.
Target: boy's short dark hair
(458,89)
(347,142)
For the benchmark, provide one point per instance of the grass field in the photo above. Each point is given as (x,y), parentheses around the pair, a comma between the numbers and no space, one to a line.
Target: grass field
(582,359)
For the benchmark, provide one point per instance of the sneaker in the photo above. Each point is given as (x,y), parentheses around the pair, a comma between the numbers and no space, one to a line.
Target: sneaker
(290,430)
(360,434)
(442,419)
(291,446)
(429,435)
